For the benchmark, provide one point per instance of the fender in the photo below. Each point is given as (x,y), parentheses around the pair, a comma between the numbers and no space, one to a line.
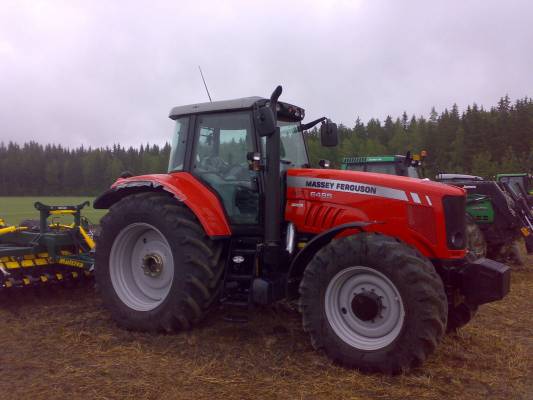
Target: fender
(181,185)
(308,252)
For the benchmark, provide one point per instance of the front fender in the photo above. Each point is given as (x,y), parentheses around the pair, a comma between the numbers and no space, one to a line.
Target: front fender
(181,185)
(303,258)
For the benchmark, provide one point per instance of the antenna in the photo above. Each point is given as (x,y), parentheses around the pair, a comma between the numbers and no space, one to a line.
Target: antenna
(206,89)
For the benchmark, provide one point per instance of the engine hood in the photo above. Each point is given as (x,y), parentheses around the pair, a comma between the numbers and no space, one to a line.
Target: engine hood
(383,185)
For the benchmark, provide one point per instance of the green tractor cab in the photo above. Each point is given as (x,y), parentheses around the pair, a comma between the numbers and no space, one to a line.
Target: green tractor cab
(523,181)
(408,165)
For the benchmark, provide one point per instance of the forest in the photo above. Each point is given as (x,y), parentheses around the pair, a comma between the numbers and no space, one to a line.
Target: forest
(476,141)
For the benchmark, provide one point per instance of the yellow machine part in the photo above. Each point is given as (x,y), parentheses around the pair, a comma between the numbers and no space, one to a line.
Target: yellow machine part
(11,229)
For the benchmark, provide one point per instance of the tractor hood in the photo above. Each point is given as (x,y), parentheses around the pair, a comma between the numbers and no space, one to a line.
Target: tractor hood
(412,210)
(371,184)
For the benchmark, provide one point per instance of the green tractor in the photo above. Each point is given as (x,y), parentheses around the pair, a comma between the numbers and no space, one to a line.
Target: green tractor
(408,165)
(497,219)
(500,218)
(523,180)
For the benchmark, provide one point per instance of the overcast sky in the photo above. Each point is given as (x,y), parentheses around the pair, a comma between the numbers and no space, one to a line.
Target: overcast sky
(103,72)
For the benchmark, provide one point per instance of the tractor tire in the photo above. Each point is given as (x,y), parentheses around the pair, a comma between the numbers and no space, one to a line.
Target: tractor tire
(155,268)
(373,303)
(476,244)
(459,316)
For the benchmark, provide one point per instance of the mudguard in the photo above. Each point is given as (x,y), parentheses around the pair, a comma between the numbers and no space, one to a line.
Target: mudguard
(307,253)
(184,187)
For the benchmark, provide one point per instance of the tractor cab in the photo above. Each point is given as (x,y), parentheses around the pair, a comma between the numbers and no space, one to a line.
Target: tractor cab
(521,183)
(224,145)
(407,165)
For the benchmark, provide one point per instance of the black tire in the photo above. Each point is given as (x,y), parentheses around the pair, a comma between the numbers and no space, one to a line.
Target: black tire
(421,291)
(476,245)
(460,315)
(198,267)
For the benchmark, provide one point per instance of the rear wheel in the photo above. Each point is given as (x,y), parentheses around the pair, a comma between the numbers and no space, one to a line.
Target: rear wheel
(155,267)
(373,303)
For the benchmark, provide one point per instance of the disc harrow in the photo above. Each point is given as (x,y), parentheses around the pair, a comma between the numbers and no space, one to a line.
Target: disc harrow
(46,252)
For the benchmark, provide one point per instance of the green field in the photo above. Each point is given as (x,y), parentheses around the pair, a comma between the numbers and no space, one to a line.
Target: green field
(15,209)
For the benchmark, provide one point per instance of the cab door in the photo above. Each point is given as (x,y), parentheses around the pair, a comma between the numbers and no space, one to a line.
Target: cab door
(222,142)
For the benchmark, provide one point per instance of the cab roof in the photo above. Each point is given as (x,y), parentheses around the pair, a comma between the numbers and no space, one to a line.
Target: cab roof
(223,105)
(284,109)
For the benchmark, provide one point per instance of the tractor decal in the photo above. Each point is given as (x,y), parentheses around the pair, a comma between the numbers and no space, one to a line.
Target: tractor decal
(347,187)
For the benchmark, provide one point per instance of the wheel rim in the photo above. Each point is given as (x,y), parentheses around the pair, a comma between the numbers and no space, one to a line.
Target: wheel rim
(364,308)
(141,266)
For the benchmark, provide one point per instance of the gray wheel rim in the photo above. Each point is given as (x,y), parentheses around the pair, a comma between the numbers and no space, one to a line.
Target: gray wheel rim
(364,334)
(134,248)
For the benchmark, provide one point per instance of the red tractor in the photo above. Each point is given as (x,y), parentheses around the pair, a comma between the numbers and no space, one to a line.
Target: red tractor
(377,262)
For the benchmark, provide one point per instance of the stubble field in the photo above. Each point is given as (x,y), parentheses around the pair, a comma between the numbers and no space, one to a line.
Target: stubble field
(62,344)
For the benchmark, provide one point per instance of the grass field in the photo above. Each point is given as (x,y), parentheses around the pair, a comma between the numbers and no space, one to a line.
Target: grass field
(64,345)
(15,209)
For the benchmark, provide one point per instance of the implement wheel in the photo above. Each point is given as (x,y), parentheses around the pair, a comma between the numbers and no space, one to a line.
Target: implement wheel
(155,267)
(373,303)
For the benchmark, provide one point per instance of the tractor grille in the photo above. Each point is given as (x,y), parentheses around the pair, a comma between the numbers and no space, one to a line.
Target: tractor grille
(422,220)
(454,214)
(322,216)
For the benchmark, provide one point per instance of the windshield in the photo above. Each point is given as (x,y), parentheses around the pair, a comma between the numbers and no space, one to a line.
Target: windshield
(385,168)
(381,168)
(293,151)
(514,180)
(179,141)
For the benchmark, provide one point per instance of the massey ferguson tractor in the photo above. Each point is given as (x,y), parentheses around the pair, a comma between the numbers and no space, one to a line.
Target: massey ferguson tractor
(377,262)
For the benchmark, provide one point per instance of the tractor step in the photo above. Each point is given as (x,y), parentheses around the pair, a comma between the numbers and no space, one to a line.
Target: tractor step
(239,277)
(236,309)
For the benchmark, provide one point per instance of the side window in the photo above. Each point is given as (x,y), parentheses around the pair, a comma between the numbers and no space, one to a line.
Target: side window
(179,142)
(220,160)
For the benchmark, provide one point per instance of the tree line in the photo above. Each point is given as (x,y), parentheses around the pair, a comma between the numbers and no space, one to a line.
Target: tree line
(476,141)
(34,169)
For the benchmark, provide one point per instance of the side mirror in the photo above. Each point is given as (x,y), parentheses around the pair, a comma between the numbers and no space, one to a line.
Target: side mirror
(265,120)
(328,134)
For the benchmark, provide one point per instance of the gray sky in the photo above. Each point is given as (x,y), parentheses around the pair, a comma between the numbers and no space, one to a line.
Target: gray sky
(103,72)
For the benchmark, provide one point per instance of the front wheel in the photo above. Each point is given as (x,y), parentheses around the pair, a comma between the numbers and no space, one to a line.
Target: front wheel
(373,303)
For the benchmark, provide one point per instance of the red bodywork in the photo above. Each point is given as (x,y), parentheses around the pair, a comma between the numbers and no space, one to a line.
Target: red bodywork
(185,187)
(411,209)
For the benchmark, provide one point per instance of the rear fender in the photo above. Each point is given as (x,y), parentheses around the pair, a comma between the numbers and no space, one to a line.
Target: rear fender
(183,187)
(303,258)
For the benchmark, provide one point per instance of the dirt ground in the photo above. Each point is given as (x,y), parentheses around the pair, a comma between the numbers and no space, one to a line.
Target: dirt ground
(61,344)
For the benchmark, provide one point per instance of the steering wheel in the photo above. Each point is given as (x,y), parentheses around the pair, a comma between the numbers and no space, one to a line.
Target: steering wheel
(214,164)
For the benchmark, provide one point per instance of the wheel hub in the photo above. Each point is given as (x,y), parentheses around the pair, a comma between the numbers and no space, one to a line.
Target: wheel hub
(141,266)
(364,308)
(152,265)
(367,306)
